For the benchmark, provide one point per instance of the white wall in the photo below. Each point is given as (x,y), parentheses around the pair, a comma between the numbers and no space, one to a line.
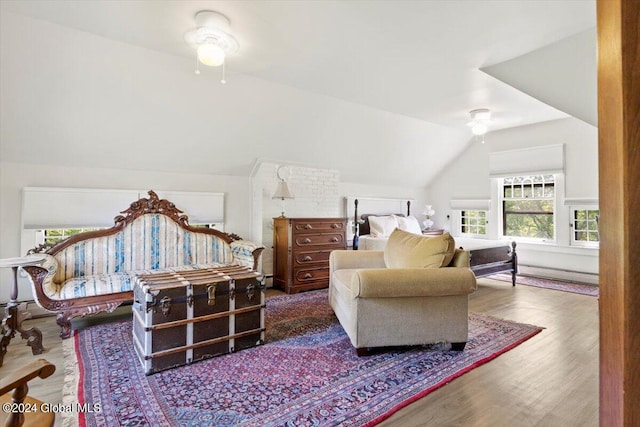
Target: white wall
(468,178)
(15,176)
(315,194)
(70,97)
(86,111)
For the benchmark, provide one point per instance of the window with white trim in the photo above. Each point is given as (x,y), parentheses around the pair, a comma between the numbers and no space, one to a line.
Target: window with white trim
(51,236)
(584,226)
(528,207)
(216,226)
(473,223)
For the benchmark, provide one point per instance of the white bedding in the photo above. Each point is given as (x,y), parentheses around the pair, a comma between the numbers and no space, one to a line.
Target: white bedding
(368,243)
(470,244)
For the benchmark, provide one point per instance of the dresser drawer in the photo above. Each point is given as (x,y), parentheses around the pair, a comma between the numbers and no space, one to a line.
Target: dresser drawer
(318,240)
(302,247)
(305,275)
(317,226)
(311,258)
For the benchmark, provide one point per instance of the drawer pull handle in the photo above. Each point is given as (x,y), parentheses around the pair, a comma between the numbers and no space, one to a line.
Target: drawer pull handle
(334,225)
(307,240)
(335,239)
(308,227)
(307,258)
(307,276)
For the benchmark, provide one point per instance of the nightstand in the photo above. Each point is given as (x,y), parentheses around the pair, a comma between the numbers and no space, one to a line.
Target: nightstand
(432,232)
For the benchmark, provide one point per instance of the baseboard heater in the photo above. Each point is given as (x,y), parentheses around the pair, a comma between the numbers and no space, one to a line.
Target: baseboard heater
(590,278)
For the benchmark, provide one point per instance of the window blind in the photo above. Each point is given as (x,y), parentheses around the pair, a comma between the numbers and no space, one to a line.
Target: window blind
(548,159)
(48,207)
(470,204)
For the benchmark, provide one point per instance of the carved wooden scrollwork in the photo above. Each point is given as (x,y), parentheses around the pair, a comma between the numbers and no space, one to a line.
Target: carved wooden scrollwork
(153,204)
(40,249)
(233,236)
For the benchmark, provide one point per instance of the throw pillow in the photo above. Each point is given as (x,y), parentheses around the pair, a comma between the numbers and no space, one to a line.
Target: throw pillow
(408,250)
(409,223)
(382,226)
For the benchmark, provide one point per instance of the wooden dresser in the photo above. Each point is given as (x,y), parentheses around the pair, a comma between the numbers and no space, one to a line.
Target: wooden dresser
(301,251)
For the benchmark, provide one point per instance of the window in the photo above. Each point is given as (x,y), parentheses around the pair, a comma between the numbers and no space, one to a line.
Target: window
(473,222)
(528,207)
(216,226)
(584,222)
(54,235)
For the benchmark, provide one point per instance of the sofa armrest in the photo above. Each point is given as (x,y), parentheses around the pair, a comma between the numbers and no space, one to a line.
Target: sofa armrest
(341,259)
(461,258)
(41,280)
(246,253)
(412,282)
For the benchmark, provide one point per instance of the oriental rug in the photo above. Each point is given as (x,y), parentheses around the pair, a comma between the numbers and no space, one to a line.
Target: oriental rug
(306,374)
(557,285)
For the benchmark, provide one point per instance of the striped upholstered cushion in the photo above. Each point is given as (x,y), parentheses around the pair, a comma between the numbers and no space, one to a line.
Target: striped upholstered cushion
(242,251)
(150,242)
(102,284)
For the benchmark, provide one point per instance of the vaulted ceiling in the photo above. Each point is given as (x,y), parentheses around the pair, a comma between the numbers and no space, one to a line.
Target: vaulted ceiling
(403,75)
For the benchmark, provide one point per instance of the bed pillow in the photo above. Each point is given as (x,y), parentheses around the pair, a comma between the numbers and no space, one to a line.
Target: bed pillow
(382,226)
(408,250)
(409,223)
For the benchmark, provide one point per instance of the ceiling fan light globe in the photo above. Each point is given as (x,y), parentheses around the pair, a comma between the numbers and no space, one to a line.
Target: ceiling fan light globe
(479,129)
(211,54)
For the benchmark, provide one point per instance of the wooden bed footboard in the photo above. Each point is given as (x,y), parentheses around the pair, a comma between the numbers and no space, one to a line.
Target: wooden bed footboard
(501,259)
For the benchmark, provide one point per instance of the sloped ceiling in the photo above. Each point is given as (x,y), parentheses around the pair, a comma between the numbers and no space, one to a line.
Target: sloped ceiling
(380,90)
(563,75)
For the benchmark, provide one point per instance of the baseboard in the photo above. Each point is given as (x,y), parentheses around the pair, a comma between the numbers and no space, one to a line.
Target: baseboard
(268,280)
(558,274)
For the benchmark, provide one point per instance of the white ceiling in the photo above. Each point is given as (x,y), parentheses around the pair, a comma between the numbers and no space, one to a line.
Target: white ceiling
(419,59)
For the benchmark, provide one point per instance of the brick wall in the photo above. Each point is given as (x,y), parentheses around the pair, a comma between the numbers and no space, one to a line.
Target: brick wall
(315,194)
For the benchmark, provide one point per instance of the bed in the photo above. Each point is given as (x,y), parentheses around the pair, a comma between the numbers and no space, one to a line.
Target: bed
(491,256)
(488,257)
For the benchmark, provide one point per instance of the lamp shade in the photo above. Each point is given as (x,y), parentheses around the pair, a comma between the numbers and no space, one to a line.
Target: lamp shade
(282,191)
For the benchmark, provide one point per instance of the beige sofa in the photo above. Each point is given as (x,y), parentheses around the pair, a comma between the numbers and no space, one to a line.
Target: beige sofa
(415,301)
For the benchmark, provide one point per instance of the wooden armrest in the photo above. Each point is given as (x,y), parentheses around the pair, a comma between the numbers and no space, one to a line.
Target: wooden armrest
(38,368)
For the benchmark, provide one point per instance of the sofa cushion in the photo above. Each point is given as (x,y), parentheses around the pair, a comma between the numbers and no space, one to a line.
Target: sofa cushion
(150,242)
(408,250)
(102,284)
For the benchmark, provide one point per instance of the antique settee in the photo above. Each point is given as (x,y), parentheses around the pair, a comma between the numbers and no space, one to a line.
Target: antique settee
(94,271)
(415,292)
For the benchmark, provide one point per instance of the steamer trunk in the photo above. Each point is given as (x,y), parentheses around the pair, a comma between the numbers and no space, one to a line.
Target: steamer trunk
(184,317)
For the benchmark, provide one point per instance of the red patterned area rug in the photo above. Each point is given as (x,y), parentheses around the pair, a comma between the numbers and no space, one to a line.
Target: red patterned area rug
(557,285)
(306,374)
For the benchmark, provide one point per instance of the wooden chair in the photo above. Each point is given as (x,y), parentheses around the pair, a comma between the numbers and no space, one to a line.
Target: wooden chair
(17,381)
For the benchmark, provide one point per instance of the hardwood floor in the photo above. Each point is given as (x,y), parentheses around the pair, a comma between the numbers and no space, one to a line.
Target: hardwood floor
(549,380)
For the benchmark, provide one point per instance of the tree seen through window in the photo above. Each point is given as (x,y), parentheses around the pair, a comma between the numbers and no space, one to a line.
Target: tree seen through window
(528,207)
